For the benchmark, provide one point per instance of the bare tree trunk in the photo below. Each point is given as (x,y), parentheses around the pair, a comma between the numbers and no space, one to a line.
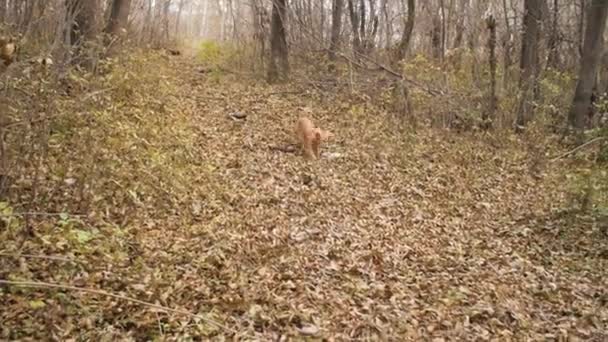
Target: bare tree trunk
(581,27)
(362,22)
(354,21)
(119,15)
(166,7)
(529,58)
(488,116)
(322,24)
(85,19)
(371,32)
(443,29)
(553,58)
(592,52)
(388,27)
(180,9)
(436,37)
(462,13)
(407,32)
(3,4)
(278,42)
(507,47)
(336,27)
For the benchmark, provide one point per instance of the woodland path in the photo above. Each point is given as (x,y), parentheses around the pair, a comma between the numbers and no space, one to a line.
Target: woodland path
(389,236)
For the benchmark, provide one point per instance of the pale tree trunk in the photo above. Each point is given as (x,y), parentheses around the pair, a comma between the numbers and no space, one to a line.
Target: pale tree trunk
(166,7)
(406,37)
(372,31)
(529,58)
(443,29)
(388,32)
(278,42)
(322,25)
(592,52)
(462,13)
(260,19)
(180,9)
(336,27)
(362,22)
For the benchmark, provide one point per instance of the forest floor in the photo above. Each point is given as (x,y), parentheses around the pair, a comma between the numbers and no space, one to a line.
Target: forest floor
(389,236)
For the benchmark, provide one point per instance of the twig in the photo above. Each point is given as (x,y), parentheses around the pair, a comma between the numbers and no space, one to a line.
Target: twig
(113,295)
(33,213)
(578,148)
(286,92)
(49,257)
(96,92)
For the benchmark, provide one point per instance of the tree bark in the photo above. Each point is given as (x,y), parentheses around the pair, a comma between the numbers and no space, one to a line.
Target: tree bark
(278,42)
(488,116)
(443,29)
(180,9)
(553,60)
(406,37)
(529,59)
(354,21)
(436,37)
(592,53)
(3,4)
(119,15)
(84,24)
(462,13)
(581,27)
(336,27)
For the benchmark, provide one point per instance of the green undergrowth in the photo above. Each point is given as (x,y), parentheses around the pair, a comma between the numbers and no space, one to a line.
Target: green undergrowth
(114,147)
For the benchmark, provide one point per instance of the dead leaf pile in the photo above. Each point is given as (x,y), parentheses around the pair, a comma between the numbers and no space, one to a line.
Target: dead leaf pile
(432,236)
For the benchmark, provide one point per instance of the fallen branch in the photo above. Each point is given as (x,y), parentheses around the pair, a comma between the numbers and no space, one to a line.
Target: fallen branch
(34,213)
(578,148)
(108,294)
(48,257)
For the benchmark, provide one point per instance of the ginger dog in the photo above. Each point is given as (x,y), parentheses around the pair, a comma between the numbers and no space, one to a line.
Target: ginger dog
(310,137)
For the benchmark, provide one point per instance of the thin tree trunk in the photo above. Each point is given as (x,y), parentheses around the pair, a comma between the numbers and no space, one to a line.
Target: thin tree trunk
(553,60)
(443,29)
(507,47)
(336,28)
(3,4)
(119,14)
(354,21)
(592,52)
(407,32)
(488,116)
(388,32)
(179,16)
(322,24)
(581,27)
(278,42)
(529,58)
(462,13)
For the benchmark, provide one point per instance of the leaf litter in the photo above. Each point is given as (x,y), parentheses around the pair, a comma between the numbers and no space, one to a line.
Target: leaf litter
(389,236)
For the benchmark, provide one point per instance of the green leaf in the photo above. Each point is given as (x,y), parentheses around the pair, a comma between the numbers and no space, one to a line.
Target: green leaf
(37,304)
(83,236)
(63,216)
